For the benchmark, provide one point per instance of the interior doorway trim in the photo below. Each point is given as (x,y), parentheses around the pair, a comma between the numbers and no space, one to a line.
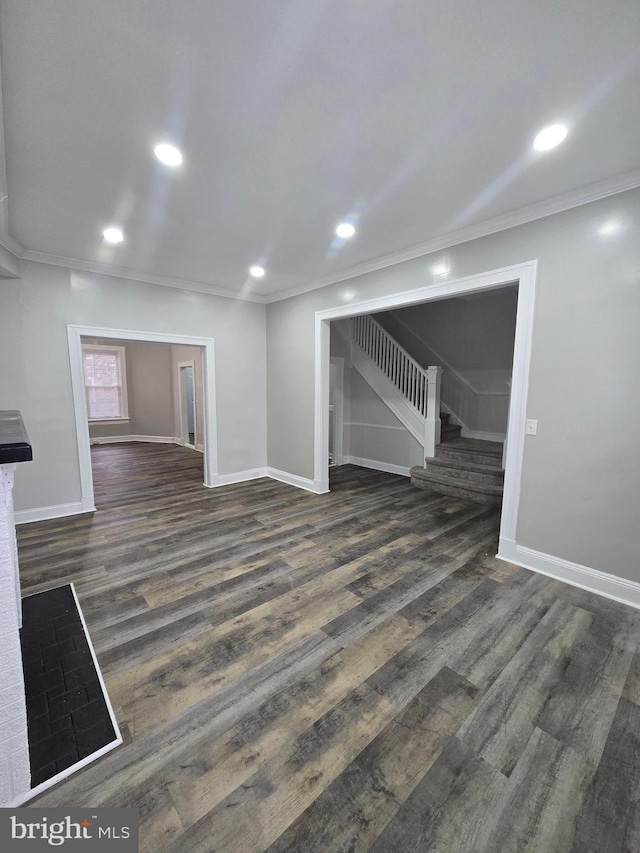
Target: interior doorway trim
(210,440)
(524,275)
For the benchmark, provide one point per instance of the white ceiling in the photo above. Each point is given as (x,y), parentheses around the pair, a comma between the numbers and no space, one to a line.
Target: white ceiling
(414,117)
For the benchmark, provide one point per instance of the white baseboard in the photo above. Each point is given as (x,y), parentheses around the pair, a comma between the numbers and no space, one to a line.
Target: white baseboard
(44,513)
(294,480)
(238,477)
(119,439)
(592,580)
(483,436)
(387,467)
(200,447)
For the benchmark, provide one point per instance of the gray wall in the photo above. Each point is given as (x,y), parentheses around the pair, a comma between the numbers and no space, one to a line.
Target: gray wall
(152,398)
(579,488)
(149,390)
(471,338)
(375,433)
(35,375)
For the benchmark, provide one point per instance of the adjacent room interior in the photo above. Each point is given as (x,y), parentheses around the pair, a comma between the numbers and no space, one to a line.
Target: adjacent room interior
(318,448)
(143,392)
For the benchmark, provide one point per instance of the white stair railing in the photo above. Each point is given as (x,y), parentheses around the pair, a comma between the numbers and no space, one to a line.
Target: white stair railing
(419,387)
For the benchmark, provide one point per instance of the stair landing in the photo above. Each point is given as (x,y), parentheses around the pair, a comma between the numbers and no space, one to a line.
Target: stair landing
(466,468)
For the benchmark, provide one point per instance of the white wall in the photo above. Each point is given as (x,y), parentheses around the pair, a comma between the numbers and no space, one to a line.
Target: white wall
(579,485)
(35,374)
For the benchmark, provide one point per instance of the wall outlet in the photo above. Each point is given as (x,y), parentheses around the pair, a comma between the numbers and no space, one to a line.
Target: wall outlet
(530,427)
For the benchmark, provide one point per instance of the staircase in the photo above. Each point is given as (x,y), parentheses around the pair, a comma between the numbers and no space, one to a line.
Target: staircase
(464,468)
(461,467)
(410,391)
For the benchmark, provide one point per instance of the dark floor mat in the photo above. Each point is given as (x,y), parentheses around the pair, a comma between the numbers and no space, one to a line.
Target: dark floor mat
(68,714)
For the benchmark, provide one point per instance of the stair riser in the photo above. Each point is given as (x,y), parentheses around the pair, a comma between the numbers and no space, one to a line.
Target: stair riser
(457,492)
(449,433)
(490,479)
(438,478)
(443,452)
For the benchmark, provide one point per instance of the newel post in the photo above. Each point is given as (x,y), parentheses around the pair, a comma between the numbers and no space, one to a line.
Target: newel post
(432,418)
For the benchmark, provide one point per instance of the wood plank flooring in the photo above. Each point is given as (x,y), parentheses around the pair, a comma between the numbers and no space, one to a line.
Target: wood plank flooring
(344,672)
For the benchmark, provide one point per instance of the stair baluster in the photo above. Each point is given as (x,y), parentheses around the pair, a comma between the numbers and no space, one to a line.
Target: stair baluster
(419,387)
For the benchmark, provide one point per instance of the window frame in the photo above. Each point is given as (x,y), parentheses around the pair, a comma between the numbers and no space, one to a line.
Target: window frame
(120,352)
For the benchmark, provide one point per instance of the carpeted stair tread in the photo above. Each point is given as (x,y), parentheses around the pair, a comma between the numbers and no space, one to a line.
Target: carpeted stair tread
(476,445)
(463,465)
(471,450)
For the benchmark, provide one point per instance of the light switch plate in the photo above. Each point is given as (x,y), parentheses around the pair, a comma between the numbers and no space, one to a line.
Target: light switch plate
(530,427)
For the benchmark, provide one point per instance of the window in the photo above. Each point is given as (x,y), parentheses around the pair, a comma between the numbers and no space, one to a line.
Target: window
(105,382)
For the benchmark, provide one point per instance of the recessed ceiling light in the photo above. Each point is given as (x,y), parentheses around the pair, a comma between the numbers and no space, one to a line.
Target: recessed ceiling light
(550,137)
(113,235)
(168,154)
(345,230)
(257,272)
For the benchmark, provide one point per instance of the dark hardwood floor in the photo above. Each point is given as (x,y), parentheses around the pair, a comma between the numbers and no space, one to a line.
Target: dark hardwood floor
(344,672)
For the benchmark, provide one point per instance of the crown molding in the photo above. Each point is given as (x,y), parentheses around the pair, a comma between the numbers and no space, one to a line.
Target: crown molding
(122,272)
(593,192)
(11,245)
(22,253)
(558,204)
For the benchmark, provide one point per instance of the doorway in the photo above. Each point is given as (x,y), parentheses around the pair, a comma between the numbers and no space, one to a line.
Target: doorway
(188,420)
(208,439)
(524,275)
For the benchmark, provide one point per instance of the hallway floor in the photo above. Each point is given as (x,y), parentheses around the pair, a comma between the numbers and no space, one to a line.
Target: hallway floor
(352,671)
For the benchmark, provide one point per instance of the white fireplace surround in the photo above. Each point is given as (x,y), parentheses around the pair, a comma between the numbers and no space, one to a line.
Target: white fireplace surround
(15,775)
